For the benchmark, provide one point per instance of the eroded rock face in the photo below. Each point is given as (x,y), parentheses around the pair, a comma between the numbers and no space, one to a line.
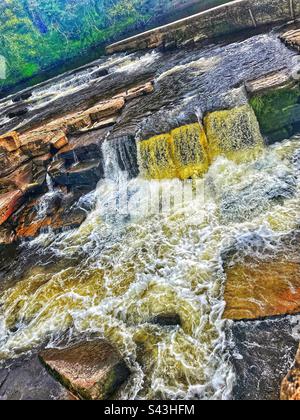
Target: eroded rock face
(90,370)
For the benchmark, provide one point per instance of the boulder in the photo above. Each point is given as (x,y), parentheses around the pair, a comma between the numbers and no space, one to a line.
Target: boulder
(28,177)
(90,370)
(290,388)
(9,203)
(273,80)
(76,123)
(9,142)
(262,288)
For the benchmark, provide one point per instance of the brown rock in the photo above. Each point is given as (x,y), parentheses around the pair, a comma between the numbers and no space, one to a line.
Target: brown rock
(90,370)
(106,109)
(35,144)
(290,389)
(139,91)
(292,38)
(9,203)
(9,162)
(60,215)
(256,289)
(76,123)
(10,142)
(273,80)
(58,139)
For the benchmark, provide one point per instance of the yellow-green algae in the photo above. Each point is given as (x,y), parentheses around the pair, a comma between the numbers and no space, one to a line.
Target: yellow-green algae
(179,154)
(234,133)
(188,151)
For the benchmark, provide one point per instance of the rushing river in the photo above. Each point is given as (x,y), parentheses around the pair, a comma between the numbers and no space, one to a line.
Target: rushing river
(149,248)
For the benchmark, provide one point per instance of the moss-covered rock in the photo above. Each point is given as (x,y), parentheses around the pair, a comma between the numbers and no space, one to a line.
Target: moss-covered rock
(278,111)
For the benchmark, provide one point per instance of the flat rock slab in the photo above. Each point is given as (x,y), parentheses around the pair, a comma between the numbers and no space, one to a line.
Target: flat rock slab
(90,370)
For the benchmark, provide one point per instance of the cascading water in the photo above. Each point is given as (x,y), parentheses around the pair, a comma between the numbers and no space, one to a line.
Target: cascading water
(149,248)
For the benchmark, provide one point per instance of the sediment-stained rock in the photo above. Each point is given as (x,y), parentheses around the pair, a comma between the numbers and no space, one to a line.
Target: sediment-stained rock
(262,288)
(57,212)
(9,203)
(90,370)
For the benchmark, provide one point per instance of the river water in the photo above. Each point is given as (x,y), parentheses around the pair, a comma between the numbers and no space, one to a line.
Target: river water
(149,248)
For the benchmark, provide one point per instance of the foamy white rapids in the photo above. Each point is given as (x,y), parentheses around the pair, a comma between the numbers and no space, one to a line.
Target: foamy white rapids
(136,263)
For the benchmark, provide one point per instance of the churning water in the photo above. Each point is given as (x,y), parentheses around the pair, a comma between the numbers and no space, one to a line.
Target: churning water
(136,257)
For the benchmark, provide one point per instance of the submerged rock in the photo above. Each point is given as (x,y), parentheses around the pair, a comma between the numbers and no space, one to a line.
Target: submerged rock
(90,370)
(166,320)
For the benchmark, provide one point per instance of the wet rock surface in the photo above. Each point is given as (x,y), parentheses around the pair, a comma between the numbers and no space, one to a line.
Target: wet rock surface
(90,370)
(263,352)
(26,379)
